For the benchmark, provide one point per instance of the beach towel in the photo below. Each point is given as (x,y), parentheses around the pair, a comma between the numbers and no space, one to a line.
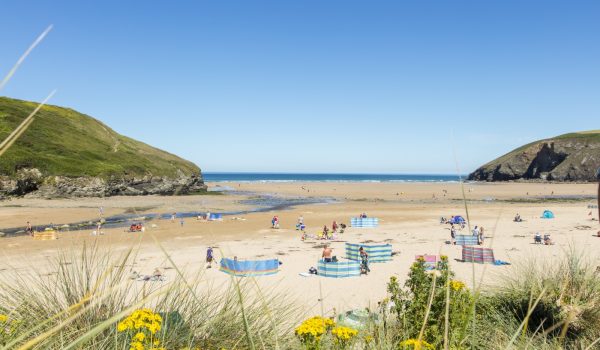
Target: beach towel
(466,240)
(478,255)
(364,222)
(339,269)
(246,268)
(430,261)
(376,252)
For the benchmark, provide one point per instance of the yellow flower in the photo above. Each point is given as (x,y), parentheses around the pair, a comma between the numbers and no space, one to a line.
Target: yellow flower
(312,329)
(416,344)
(344,334)
(3,318)
(139,336)
(457,285)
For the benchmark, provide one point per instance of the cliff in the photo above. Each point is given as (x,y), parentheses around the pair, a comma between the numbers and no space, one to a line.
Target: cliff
(64,153)
(568,157)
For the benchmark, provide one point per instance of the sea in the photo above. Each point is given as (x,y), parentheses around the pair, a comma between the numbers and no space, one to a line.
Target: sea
(322,177)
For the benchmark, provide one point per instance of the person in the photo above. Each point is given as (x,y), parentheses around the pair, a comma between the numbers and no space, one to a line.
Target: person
(209,257)
(29,229)
(334,226)
(548,240)
(537,238)
(327,252)
(325,232)
(453,233)
(181,221)
(173,217)
(481,235)
(207,216)
(517,218)
(476,231)
(301,220)
(364,260)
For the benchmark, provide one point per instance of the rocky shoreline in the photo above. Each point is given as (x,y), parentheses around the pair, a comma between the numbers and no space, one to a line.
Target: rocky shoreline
(31,182)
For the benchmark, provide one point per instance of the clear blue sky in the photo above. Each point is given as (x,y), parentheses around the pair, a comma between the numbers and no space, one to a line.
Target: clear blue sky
(315,85)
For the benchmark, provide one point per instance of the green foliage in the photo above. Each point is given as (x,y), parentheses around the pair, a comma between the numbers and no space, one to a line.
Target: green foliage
(411,305)
(568,312)
(61,141)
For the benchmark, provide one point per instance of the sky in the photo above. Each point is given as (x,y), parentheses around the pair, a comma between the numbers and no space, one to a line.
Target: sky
(316,85)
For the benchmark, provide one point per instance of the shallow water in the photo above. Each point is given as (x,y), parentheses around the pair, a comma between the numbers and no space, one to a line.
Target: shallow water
(258,203)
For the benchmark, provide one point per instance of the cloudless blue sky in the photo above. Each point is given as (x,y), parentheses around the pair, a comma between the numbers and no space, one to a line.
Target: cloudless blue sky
(316,85)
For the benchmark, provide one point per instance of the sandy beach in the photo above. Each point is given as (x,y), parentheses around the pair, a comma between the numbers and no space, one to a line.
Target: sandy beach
(409,216)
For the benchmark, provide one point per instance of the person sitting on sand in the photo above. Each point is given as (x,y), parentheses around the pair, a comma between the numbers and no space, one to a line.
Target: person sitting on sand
(548,240)
(517,218)
(537,238)
(327,252)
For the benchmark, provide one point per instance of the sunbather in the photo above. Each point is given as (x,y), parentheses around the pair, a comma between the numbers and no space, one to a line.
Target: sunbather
(327,253)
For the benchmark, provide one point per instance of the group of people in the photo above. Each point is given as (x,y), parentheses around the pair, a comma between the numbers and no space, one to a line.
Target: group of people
(537,239)
(478,231)
(275,222)
(133,228)
(328,257)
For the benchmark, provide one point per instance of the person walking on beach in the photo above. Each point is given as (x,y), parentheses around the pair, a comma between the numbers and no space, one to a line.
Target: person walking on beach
(326,255)
(173,217)
(453,234)
(209,257)
(364,260)
(334,227)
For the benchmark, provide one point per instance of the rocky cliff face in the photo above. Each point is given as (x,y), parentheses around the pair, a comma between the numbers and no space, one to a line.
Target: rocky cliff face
(31,183)
(569,157)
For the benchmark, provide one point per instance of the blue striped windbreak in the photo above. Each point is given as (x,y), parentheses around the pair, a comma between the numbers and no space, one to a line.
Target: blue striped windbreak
(376,252)
(364,222)
(466,240)
(243,268)
(339,269)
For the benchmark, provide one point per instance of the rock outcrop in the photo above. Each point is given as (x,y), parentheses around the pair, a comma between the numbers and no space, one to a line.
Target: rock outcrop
(569,157)
(68,154)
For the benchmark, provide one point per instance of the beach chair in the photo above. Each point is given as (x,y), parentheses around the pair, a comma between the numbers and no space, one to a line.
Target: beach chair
(430,261)
(466,240)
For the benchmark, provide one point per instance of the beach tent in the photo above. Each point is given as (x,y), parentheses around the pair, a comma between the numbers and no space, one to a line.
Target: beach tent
(339,269)
(364,222)
(457,220)
(548,214)
(377,252)
(466,240)
(246,268)
(215,217)
(478,255)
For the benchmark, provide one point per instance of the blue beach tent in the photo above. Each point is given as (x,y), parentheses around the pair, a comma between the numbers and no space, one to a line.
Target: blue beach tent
(548,214)
(457,220)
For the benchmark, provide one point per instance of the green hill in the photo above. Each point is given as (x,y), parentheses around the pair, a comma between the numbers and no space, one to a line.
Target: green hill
(62,144)
(568,157)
